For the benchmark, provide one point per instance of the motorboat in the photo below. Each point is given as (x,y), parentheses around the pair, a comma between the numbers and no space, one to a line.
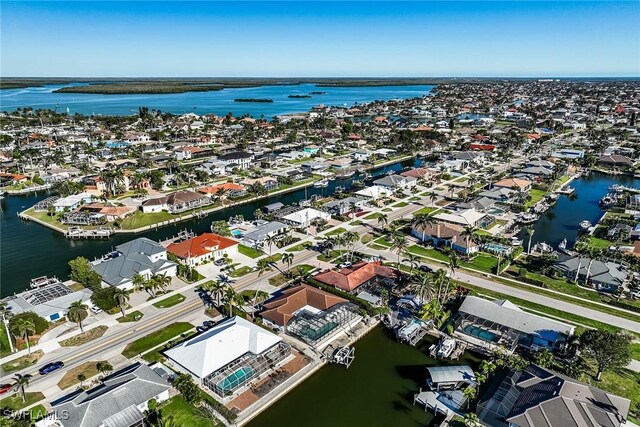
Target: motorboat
(445,347)
(543,248)
(563,245)
(527,218)
(585,225)
(39,282)
(515,241)
(323,183)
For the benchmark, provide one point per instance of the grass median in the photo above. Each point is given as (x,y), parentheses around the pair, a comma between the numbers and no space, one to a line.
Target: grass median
(156,338)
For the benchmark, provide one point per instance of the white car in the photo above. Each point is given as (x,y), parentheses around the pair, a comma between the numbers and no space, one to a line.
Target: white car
(95,309)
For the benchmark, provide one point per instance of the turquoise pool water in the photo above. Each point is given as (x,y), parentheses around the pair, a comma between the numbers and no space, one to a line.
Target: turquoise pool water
(236,233)
(316,334)
(483,334)
(496,248)
(234,380)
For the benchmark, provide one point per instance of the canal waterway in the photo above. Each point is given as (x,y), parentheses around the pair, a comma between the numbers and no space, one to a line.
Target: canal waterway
(30,250)
(218,102)
(562,220)
(376,391)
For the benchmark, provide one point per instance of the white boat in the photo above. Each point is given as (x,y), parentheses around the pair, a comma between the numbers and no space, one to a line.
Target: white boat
(321,184)
(585,225)
(445,347)
(515,241)
(43,281)
(543,247)
(563,245)
(527,218)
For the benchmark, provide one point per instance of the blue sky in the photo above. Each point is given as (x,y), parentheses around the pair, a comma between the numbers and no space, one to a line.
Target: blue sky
(386,39)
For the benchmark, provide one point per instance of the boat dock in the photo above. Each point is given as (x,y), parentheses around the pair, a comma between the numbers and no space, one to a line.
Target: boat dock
(413,332)
(82,233)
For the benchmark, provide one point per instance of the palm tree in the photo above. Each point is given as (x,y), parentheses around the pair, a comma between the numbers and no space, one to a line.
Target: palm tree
(287,258)
(270,241)
(121,297)
(23,328)
(260,296)
(77,312)
(226,280)
(383,219)
(412,260)
(349,239)
(104,367)
(263,266)
(230,297)
(423,287)
(469,234)
(215,289)
(399,244)
(138,282)
(20,384)
(82,378)
(5,314)
(422,222)
(530,231)
(593,254)
(433,197)
(162,280)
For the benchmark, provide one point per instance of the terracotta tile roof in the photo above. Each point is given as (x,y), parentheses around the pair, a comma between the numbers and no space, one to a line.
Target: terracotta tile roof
(510,182)
(229,186)
(200,245)
(281,309)
(350,278)
(418,172)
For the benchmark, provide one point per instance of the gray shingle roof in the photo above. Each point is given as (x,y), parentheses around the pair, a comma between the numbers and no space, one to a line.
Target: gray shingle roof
(114,402)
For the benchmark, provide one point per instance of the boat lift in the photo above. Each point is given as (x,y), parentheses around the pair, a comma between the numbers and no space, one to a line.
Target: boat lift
(344,356)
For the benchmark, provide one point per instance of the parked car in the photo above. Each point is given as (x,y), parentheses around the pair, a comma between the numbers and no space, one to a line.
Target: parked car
(208,324)
(5,388)
(50,367)
(425,268)
(95,309)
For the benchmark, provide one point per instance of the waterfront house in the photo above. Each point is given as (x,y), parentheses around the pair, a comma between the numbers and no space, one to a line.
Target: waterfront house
(567,153)
(466,218)
(305,217)
(514,183)
(345,206)
(615,161)
(140,256)
(619,232)
(65,204)
(537,397)
(362,155)
(202,248)
(230,190)
(501,323)
(604,276)
(448,235)
(49,301)
(310,314)
(374,192)
(450,377)
(120,400)
(190,152)
(268,182)
(230,355)
(420,173)
(177,202)
(633,204)
(393,182)
(8,179)
(363,273)
(499,194)
(257,237)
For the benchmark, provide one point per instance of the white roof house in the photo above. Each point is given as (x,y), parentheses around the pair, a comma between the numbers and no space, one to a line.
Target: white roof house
(304,217)
(221,345)
(469,217)
(374,192)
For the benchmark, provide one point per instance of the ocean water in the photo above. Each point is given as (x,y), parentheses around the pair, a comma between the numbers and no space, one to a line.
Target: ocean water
(217,102)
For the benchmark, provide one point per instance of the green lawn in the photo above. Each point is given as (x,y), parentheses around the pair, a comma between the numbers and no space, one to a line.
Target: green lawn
(248,251)
(281,279)
(45,217)
(486,263)
(70,378)
(635,350)
(133,316)
(274,258)
(536,196)
(597,243)
(621,382)
(37,412)
(242,271)
(339,230)
(382,241)
(14,402)
(22,362)
(170,302)
(139,219)
(155,339)
(400,205)
(185,414)
(299,247)
(356,222)
(432,253)
(374,215)
(425,211)
(4,343)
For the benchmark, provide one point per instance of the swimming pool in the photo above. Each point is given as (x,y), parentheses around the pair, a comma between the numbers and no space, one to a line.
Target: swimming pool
(236,233)
(483,334)
(316,334)
(497,248)
(236,379)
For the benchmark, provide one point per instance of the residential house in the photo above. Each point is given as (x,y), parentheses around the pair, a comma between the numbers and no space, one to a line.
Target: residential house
(202,248)
(345,206)
(394,182)
(616,161)
(537,397)
(140,256)
(305,217)
(229,356)
(257,237)
(174,203)
(514,183)
(120,400)
(374,192)
(363,273)
(501,323)
(189,152)
(448,235)
(230,190)
(604,276)
(466,218)
(310,314)
(72,202)
(419,173)
(268,182)
(237,159)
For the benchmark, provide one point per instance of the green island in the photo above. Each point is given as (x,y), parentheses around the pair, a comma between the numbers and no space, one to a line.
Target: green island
(252,100)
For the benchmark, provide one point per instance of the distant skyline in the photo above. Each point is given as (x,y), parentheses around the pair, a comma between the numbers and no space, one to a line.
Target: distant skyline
(320,39)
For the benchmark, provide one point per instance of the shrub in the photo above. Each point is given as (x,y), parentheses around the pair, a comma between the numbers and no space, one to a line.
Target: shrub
(522,273)
(40,324)
(103,298)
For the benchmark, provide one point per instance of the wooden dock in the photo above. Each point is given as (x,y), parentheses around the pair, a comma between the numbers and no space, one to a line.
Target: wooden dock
(82,233)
